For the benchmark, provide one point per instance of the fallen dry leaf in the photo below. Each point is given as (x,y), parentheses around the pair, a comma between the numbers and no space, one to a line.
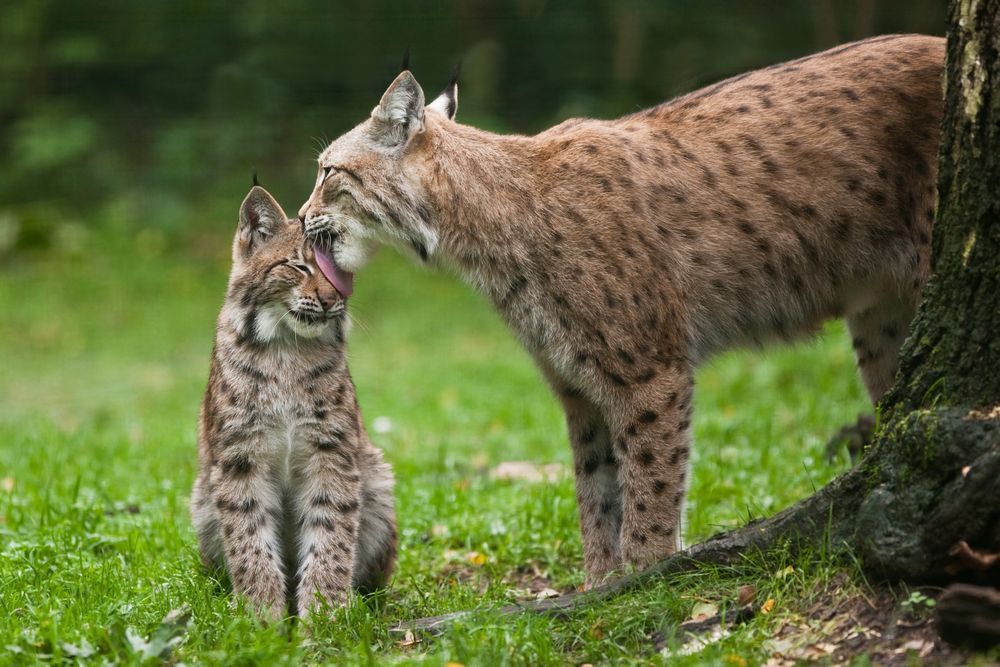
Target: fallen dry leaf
(994,413)
(697,643)
(526,471)
(922,647)
(7,484)
(409,639)
(820,649)
(475,558)
(767,606)
(703,611)
(746,594)
(547,593)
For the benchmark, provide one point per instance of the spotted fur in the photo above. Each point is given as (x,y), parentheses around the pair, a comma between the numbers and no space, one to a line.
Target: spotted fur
(290,496)
(625,252)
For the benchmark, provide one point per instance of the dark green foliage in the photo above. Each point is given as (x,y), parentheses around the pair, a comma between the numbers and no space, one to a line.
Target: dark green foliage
(150,107)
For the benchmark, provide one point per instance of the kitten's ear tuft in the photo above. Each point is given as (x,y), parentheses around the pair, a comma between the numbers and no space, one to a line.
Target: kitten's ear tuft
(255,181)
(406,60)
(260,218)
(447,102)
(400,113)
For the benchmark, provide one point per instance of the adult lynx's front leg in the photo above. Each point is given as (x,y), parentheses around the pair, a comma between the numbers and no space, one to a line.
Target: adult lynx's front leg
(630,457)
(598,490)
(651,432)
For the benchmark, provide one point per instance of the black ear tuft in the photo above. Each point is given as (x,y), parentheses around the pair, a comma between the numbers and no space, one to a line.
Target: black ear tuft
(260,218)
(447,102)
(256,183)
(406,60)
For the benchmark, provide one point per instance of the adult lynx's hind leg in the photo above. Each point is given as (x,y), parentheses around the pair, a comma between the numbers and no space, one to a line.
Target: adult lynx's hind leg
(877,334)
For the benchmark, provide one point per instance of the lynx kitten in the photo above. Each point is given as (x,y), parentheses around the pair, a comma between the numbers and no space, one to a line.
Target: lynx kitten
(291,496)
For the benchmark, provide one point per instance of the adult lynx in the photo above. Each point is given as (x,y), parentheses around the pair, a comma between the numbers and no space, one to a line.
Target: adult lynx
(625,252)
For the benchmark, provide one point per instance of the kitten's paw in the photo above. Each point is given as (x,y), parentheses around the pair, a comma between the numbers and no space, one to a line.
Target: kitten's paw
(318,605)
(266,612)
(266,603)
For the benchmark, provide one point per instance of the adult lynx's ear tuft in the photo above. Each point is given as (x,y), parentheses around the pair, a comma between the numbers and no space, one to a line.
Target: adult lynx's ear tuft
(406,60)
(400,113)
(260,218)
(447,102)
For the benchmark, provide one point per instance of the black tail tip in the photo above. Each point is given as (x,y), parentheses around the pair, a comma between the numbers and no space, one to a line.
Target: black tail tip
(406,60)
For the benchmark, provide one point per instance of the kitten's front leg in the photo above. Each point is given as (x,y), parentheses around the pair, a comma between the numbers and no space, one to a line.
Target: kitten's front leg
(327,499)
(248,502)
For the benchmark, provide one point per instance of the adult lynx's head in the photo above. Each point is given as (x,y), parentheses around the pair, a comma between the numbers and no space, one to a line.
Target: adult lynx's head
(369,188)
(277,290)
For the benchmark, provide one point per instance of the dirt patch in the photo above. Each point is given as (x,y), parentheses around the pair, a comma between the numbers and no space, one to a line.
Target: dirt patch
(531,581)
(839,624)
(842,625)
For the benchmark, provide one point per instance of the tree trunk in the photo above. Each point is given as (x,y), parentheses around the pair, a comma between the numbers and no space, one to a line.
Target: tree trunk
(931,478)
(933,474)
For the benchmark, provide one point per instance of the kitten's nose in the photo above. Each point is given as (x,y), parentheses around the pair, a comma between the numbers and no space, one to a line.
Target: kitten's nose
(327,295)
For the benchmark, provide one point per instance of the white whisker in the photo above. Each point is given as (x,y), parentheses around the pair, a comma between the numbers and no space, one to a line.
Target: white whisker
(274,329)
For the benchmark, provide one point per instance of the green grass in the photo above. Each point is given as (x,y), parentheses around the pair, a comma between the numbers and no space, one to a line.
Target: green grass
(105,343)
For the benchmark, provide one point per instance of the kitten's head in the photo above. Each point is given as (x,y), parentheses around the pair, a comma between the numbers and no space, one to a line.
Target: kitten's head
(370,188)
(277,291)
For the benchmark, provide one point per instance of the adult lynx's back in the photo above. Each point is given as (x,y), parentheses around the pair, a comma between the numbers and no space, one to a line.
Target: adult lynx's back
(624,252)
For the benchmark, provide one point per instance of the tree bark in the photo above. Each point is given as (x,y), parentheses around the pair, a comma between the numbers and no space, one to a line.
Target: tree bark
(931,477)
(932,472)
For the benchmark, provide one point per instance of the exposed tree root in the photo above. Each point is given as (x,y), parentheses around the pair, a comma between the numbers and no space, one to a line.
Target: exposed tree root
(922,488)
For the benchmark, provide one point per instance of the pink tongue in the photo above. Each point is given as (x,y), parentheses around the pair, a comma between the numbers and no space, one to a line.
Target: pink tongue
(341,280)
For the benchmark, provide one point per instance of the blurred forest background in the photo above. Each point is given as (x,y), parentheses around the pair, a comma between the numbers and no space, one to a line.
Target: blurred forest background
(150,116)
